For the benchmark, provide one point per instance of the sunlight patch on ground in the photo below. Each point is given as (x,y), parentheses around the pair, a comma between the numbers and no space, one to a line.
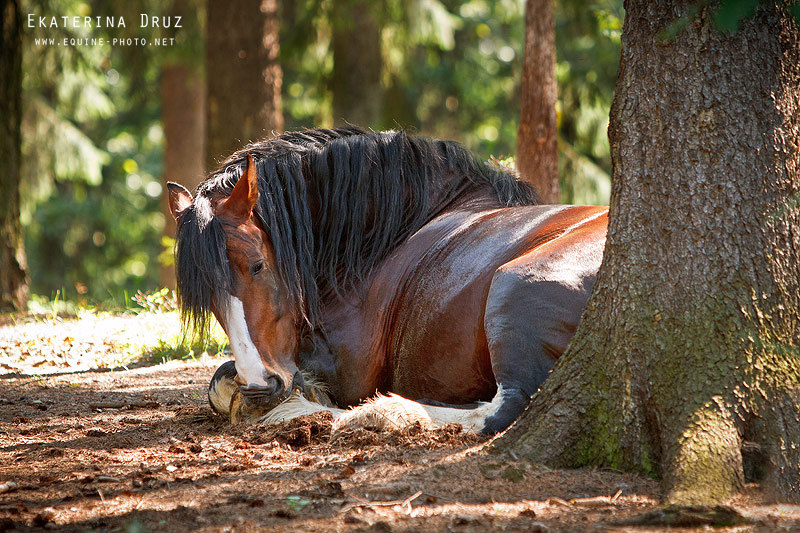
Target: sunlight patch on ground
(41,345)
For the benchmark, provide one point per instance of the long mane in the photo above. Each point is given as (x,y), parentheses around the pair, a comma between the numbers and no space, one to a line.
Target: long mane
(334,203)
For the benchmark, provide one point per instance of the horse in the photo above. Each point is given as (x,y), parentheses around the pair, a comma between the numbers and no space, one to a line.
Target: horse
(343,264)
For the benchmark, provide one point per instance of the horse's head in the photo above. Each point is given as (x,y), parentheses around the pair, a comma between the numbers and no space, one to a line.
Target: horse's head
(257,312)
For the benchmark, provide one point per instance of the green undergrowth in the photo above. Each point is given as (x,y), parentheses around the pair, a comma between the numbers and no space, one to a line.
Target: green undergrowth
(181,348)
(154,313)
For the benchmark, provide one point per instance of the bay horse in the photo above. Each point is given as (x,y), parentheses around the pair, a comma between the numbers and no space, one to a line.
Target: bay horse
(360,263)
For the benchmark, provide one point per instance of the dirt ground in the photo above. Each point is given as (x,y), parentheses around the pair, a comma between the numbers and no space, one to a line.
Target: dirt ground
(139,450)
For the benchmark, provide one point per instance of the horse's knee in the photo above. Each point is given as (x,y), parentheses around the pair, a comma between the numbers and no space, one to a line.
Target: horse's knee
(384,413)
(222,388)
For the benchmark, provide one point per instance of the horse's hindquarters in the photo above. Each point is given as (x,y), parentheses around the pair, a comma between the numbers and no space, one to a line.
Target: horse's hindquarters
(440,347)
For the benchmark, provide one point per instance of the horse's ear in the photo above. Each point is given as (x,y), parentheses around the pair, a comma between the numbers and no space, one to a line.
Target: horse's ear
(180,199)
(243,199)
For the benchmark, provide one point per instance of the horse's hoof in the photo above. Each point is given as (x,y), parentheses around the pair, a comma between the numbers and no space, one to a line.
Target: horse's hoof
(222,388)
(241,413)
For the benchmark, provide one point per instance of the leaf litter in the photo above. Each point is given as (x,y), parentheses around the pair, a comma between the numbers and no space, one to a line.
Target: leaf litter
(139,450)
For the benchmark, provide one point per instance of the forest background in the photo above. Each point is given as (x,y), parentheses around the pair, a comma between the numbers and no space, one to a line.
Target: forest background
(93,130)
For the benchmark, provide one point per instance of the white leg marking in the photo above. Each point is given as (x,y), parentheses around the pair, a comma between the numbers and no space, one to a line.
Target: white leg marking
(382,412)
(248,361)
(472,420)
(393,412)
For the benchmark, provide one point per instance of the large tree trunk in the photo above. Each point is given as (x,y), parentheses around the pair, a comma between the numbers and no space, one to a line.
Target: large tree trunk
(183,106)
(537,148)
(243,75)
(356,83)
(689,344)
(13,276)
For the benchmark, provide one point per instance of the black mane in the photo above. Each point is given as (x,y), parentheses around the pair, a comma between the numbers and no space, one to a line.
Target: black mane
(335,203)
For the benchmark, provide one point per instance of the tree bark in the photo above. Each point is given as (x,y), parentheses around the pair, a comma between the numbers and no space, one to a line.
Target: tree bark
(13,273)
(537,147)
(243,75)
(183,105)
(356,82)
(689,343)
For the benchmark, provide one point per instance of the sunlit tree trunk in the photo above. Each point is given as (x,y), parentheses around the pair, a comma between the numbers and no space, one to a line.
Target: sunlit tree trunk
(356,83)
(183,107)
(690,343)
(243,75)
(537,148)
(13,276)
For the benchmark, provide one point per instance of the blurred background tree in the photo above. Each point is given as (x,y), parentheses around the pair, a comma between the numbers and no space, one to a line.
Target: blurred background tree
(183,118)
(243,75)
(104,125)
(537,134)
(14,282)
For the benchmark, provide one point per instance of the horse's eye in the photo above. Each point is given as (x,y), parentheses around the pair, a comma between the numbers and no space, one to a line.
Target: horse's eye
(256,268)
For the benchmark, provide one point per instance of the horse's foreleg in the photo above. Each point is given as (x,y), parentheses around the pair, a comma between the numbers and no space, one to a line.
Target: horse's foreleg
(390,412)
(385,413)
(226,400)
(294,406)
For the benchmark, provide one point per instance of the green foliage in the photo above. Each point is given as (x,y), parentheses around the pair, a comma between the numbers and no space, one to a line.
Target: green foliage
(178,348)
(160,301)
(462,83)
(52,307)
(731,12)
(452,69)
(588,41)
(305,37)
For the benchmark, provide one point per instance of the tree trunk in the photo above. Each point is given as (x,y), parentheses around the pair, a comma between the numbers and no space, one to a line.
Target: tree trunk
(13,275)
(356,83)
(183,105)
(689,343)
(243,75)
(537,148)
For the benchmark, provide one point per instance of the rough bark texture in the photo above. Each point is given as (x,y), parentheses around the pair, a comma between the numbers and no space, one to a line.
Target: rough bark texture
(537,148)
(356,82)
(13,276)
(243,75)
(689,344)
(183,106)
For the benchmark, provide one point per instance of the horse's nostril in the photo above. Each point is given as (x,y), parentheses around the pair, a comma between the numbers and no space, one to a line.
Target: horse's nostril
(273,387)
(276,383)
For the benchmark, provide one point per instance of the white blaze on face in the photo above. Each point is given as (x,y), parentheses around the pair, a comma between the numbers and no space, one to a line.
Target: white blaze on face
(248,361)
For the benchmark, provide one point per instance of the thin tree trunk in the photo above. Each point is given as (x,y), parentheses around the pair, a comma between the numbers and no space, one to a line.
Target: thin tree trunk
(13,275)
(537,147)
(356,83)
(183,106)
(689,344)
(243,75)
